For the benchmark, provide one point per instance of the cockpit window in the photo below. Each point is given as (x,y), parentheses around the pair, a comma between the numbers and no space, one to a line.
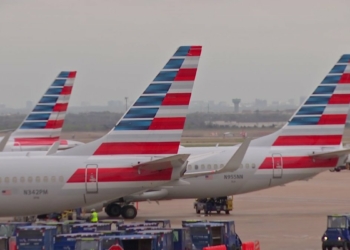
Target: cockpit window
(337,222)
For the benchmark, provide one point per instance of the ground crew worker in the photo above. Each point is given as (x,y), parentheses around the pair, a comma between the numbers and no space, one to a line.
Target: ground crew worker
(94,216)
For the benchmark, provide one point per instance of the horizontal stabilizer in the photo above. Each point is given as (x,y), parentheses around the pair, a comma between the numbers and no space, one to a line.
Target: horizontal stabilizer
(53,149)
(173,161)
(232,165)
(5,140)
(331,154)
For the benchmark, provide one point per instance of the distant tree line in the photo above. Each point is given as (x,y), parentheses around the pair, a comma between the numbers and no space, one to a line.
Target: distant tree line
(104,121)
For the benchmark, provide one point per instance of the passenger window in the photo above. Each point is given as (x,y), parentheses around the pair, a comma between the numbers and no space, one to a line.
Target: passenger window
(53,179)
(7,180)
(22,179)
(196,167)
(30,179)
(45,179)
(60,179)
(37,179)
(253,165)
(14,179)
(209,166)
(203,166)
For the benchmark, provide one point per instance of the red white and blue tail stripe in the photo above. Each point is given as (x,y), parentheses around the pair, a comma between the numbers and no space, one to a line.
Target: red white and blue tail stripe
(320,121)
(44,124)
(153,125)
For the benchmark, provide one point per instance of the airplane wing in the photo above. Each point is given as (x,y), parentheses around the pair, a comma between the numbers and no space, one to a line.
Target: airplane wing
(5,140)
(336,153)
(232,165)
(173,161)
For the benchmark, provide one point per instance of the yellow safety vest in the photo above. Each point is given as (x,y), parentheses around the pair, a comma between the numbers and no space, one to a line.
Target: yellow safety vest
(94,217)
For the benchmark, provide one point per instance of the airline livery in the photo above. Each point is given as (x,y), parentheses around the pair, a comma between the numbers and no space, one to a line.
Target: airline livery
(139,153)
(310,142)
(43,126)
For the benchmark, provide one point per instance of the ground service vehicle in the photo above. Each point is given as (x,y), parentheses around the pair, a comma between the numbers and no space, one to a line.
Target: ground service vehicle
(4,243)
(232,240)
(213,205)
(35,237)
(337,233)
(206,234)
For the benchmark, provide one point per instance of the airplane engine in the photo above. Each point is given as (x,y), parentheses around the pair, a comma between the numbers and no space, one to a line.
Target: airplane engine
(149,195)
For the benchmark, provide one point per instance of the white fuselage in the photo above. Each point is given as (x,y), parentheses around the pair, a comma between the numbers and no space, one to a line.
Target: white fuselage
(43,184)
(257,171)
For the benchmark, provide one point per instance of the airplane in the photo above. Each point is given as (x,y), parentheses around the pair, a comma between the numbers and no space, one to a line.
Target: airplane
(139,153)
(308,144)
(43,126)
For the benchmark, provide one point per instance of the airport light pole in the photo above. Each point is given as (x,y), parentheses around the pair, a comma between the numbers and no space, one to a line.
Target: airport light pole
(126,103)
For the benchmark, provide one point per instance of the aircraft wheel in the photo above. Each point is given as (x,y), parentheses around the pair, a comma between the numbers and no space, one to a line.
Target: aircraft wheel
(198,211)
(129,212)
(113,210)
(227,212)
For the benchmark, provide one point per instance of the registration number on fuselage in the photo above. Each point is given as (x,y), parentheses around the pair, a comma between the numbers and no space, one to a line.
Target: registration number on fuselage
(35,191)
(233,176)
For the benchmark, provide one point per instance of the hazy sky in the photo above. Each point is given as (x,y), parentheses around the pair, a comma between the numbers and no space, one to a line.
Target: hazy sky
(273,50)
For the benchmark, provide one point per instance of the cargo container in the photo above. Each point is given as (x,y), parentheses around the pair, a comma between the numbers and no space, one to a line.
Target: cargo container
(165,238)
(163,223)
(90,227)
(182,239)
(232,240)
(8,229)
(35,237)
(206,234)
(186,222)
(67,241)
(136,224)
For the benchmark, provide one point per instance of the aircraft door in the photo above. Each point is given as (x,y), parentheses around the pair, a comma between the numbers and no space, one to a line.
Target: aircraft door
(91,178)
(277,166)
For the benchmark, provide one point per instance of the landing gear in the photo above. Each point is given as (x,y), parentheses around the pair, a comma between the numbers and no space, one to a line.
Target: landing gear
(129,212)
(113,210)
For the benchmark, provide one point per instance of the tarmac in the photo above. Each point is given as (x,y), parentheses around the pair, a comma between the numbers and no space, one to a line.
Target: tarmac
(286,217)
(282,218)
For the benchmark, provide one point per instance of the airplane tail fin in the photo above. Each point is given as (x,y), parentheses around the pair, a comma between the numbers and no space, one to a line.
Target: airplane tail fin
(44,124)
(320,120)
(153,125)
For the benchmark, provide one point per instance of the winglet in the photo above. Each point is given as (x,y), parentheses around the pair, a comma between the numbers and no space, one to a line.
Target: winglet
(232,165)
(53,148)
(331,154)
(5,140)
